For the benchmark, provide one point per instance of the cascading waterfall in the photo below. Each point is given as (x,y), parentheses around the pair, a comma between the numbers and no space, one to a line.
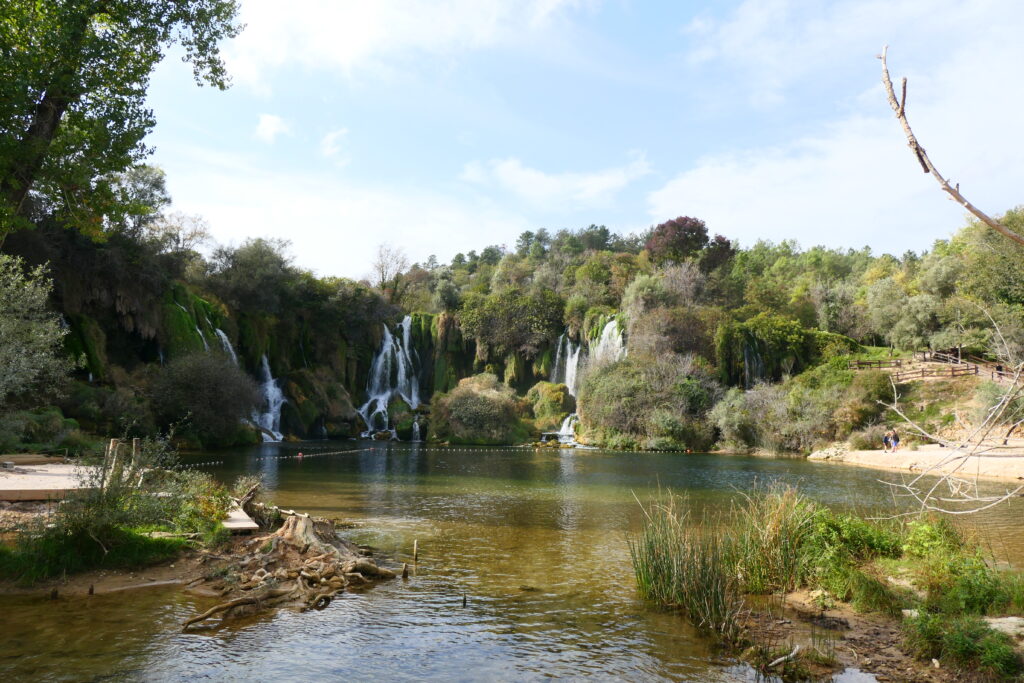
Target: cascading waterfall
(393,373)
(567,432)
(572,366)
(416,429)
(610,346)
(269,421)
(226,343)
(567,363)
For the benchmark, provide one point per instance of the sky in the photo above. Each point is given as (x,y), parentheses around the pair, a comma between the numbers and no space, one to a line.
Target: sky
(444,126)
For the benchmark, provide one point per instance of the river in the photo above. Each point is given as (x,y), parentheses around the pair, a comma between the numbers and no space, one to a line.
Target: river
(534,540)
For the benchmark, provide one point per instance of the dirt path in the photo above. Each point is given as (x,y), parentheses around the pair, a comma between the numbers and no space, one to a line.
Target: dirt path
(1004,463)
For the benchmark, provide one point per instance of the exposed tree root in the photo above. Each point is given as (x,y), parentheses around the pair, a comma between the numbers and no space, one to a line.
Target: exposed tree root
(303,564)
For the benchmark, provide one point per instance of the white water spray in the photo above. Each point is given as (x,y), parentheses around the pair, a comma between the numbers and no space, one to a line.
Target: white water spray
(610,346)
(393,373)
(567,432)
(568,357)
(269,421)
(226,343)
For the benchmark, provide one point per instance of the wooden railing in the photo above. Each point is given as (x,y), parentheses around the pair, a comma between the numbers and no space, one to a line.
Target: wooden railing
(951,371)
(861,364)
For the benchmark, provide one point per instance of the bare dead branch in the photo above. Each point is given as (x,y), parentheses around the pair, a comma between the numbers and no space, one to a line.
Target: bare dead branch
(899,107)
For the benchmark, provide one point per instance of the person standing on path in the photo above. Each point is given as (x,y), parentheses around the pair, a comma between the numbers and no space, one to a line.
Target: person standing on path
(894,440)
(887,441)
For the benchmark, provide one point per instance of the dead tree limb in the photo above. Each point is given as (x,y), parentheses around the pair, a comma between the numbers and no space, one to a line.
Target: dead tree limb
(899,107)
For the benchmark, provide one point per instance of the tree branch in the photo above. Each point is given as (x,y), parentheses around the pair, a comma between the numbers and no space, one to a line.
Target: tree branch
(899,107)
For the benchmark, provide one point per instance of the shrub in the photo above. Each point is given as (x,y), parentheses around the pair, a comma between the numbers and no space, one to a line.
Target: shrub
(208,391)
(551,404)
(480,410)
(99,525)
(963,642)
(867,439)
(652,401)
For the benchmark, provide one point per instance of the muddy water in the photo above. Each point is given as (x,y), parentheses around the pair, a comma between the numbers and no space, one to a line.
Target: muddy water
(535,541)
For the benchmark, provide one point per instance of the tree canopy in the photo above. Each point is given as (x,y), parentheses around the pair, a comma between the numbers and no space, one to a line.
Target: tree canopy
(73,79)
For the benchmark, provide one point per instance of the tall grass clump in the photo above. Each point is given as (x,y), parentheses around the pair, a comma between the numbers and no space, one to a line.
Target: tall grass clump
(771,528)
(690,568)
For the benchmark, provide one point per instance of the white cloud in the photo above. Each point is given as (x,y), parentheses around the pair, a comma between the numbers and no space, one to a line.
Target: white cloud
(334,224)
(344,34)
(270,126)
(853,181)
(331,146)
(780,49)
(556,190)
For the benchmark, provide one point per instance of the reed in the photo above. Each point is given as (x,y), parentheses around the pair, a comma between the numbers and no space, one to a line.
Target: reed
(683,566)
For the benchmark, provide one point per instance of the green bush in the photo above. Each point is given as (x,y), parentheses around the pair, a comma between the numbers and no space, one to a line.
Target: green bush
(962,642)
(655,402)
(551,404)
(480,410)
(208,393)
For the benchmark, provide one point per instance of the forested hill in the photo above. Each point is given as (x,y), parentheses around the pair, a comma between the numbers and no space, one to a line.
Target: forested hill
(647,332)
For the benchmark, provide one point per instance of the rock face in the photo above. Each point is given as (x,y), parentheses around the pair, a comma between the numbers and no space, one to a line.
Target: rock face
(836,452)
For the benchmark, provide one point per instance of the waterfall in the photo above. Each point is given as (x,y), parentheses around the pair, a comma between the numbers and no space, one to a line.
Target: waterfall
(269,420)
(226,343)
(392,373)
(572,365)
(416,429)
(567,432)
(567,363)
(610,346)
(555,376)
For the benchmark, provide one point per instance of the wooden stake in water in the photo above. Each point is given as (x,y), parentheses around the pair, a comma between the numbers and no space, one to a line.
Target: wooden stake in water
(415,551)
(463,599)
(405,570)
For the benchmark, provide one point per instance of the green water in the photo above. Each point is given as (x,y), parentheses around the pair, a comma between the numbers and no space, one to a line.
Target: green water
(534,540)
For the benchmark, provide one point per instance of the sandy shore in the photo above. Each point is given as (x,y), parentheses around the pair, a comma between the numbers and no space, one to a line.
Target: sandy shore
(1004,463)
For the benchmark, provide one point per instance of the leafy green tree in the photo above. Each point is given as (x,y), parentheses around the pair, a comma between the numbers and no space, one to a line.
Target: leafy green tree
(254,277)
(31,357)
(73,94)
(512,320)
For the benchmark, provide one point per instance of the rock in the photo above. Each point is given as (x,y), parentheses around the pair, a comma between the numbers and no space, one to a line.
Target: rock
(834,452)
(1011,626)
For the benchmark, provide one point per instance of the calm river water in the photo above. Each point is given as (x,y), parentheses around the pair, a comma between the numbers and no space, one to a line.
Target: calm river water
(534,540)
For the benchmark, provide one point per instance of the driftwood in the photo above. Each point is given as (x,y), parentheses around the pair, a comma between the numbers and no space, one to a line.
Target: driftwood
(303,564)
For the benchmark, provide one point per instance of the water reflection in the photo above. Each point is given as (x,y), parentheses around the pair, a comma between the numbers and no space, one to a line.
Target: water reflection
(535,540)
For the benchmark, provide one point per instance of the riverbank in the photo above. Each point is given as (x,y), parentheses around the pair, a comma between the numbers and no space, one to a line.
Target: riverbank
(1003,463)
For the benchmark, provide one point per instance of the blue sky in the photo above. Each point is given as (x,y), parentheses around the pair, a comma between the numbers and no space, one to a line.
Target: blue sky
(447,125)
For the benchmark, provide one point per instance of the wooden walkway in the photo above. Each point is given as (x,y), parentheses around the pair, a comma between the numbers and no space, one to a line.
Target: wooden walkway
(239,523)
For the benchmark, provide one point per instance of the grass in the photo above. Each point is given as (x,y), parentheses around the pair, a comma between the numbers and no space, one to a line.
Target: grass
(49,555)
(777,540)
(682,566)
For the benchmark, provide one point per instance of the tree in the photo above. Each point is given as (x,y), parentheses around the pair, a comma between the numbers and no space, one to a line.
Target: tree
(388,270)
(209,392)
(254,277)
(677,239)
(31,356)
(73,94)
